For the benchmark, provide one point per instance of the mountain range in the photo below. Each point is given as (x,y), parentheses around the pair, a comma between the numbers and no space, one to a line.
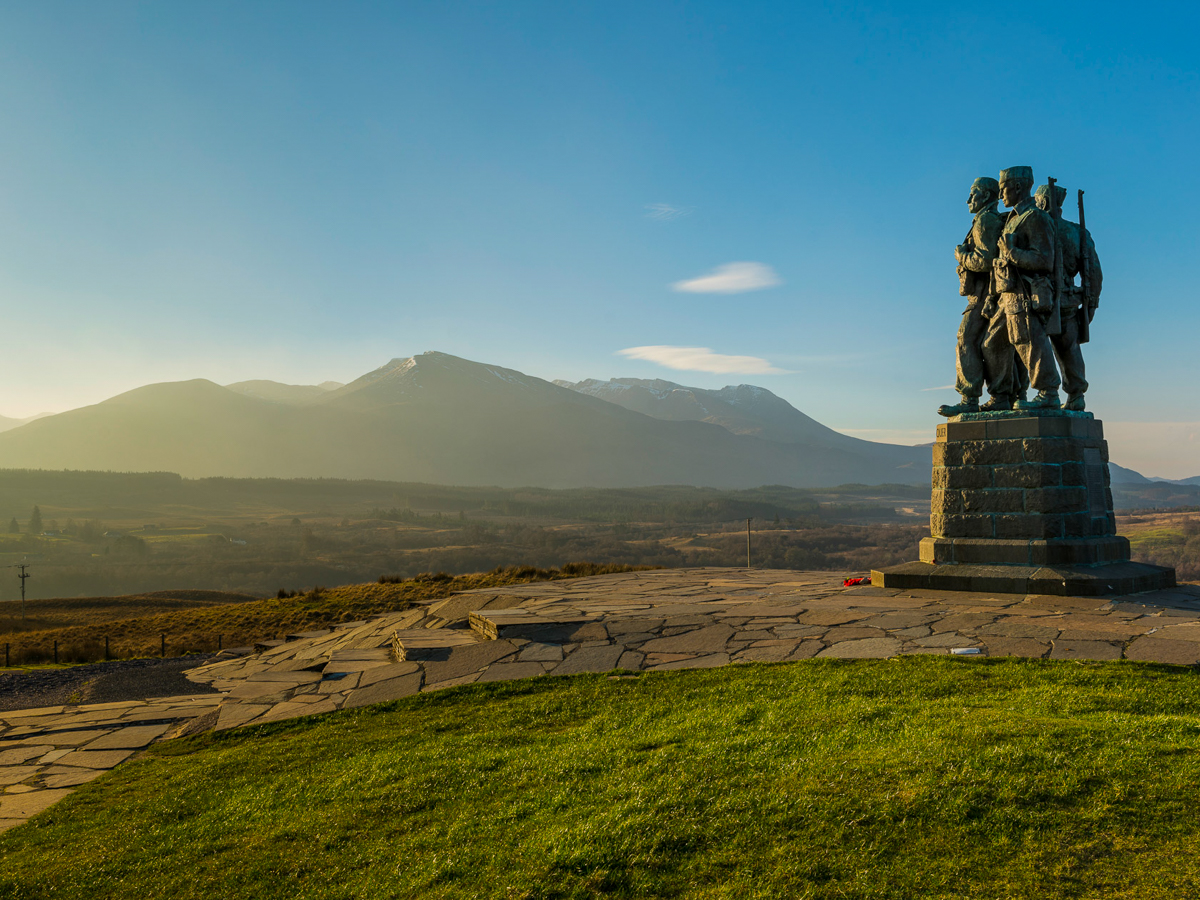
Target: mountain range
(441,419)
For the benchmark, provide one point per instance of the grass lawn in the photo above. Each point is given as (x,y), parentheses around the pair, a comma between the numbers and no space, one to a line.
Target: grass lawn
(919,777)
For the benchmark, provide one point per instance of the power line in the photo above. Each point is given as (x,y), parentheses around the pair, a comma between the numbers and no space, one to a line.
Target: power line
(22,576)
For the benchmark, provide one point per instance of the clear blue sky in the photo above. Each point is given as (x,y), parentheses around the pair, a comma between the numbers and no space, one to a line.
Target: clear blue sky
(302,191)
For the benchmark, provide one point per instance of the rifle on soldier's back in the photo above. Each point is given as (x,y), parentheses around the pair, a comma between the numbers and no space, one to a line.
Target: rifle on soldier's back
(1057,274)
(1084,311)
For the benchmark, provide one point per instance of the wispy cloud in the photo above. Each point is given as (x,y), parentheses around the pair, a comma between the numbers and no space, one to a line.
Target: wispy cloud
(701,359)
(665,212)
(944,387)
(731,278)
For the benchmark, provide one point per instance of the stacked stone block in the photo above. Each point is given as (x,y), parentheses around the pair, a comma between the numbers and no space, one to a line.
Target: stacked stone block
(1032,490)
(1021,503)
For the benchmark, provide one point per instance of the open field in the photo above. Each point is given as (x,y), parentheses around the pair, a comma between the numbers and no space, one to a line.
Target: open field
(1165,538)
(913,777)
(194,625)
(113,533)
(124,534)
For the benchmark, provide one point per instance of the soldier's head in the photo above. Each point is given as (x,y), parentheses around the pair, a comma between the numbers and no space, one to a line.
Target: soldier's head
(1042,196)
(984,193)
(1015,184)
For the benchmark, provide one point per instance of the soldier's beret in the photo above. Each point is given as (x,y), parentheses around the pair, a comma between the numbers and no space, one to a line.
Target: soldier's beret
(988,184)
(1016,172)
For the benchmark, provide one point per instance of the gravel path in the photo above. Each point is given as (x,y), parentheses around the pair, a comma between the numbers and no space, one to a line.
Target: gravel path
(105,682)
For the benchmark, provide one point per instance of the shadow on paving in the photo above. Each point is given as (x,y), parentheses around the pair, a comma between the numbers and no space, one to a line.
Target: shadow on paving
(106,682)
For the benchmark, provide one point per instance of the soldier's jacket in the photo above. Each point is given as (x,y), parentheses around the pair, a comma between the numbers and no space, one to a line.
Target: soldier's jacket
(975,268)
(1068,241)
(1033,248)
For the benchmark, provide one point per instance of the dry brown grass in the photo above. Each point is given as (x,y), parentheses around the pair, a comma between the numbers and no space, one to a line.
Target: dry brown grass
(197,628)
(41,615)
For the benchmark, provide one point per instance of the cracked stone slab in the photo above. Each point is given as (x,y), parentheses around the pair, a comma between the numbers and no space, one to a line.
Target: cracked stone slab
(870,648)
(95,759)
(1018,630)
(383,691)
(539,652)
(711,639)
(1152,649)
(1068,649)
(22,806)
(590,659)
(1027,647)
(708,661)
(134,737)
(510,671)
(467,660)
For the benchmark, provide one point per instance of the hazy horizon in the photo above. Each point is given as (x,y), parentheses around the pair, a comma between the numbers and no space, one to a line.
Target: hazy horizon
(709,194)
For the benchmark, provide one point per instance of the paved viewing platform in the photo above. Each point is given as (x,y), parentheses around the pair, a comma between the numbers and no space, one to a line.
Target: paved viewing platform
(640,621)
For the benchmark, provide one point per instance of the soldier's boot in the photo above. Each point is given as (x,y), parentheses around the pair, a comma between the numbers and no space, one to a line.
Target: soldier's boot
(1041,400)
(1074,402)
(997,403)
(968,405)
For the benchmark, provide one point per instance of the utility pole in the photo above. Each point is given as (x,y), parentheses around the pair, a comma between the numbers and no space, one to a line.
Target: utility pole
(747,543)
(23,576)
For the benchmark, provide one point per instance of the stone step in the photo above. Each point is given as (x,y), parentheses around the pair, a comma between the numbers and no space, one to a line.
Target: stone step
(544,625)
(260,646)
(422,645)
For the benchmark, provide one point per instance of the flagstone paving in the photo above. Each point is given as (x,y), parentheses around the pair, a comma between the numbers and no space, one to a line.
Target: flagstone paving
(642,621)
(46,751)
(679,619)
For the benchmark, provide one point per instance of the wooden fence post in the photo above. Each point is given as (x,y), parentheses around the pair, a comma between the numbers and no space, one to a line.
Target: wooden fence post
(164,646)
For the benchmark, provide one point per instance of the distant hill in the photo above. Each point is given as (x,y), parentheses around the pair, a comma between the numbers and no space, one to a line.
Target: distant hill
(295,394)
(1122,475)
(441,419)
(7,424)
(1194,480)
(742,409)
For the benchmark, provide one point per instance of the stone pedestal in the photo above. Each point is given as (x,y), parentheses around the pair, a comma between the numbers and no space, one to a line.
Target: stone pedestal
(1021,504)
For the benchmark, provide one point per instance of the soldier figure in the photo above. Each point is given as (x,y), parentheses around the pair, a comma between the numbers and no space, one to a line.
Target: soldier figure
(1023,270)
(1074,305)
(975,256)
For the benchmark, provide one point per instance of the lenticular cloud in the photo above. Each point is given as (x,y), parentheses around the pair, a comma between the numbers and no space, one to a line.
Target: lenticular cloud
(731,278)
(701,359)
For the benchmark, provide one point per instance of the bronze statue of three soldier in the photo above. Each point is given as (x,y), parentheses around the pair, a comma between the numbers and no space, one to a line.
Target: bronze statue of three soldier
(1024,310)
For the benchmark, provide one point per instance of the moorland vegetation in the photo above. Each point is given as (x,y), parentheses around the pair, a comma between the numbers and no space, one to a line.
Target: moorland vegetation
(177,623)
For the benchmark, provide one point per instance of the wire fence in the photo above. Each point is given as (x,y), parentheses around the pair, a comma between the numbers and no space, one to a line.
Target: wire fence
(44,652)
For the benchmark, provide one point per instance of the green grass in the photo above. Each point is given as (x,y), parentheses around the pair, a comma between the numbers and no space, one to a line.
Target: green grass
(1156,538)
(913,778)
